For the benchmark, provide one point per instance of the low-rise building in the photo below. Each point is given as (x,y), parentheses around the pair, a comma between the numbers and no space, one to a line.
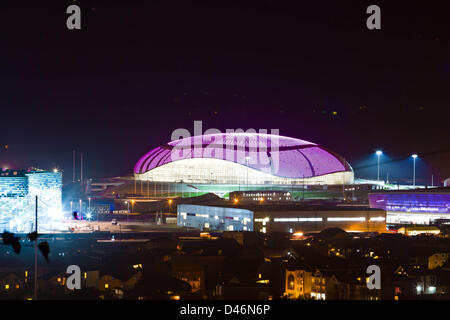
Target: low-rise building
(305,284)
(10,282)
(328,285)
(437,260)
(260,196)
(315,218)
(417,230)
(214,218)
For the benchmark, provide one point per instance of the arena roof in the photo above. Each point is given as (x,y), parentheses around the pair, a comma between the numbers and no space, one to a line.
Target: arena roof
(295,158)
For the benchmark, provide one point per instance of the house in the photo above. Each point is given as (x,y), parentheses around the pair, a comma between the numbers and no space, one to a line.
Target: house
(321,284)
(10,282)
(437,260)
(303,284)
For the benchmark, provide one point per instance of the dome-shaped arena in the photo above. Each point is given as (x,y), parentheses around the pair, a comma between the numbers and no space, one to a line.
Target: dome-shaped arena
(244,158)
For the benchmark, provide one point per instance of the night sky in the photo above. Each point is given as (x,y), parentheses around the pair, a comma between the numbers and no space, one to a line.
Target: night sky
(140,69)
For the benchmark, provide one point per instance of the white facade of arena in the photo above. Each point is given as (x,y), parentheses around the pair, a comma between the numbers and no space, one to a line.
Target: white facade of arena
(207,170)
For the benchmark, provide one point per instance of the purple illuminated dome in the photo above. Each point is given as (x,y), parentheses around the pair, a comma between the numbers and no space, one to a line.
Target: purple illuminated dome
(253,158)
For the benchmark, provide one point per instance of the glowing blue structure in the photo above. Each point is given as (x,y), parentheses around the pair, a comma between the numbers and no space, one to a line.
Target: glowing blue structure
(417,206)
(18,191)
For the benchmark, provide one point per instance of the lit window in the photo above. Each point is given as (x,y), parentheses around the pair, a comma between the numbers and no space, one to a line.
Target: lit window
(347,219)
(291,282)
(7,286)
(106,286)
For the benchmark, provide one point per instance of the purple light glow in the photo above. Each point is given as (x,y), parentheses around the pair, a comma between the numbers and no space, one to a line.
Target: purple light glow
(277,155)
(409,202)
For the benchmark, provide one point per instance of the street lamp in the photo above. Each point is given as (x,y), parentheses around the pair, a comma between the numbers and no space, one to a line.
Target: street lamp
(378,153)
(81,204)
(170,205)
(89,209)
(414,156)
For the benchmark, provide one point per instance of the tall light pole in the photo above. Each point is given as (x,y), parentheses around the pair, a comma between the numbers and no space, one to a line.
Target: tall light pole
(35,249)
(81,206)
(414,156)
(89,209)
(378,153)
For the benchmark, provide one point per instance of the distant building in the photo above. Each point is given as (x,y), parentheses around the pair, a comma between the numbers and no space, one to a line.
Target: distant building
(416,230)
(214,218)
(18,192)
(315,218)
(10,282)
(417,206)
(437,260)
(325,285)
(243,158)
(101,205)
(306,285)
(260,196)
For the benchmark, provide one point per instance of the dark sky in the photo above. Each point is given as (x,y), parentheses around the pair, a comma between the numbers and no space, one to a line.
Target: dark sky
(140,69)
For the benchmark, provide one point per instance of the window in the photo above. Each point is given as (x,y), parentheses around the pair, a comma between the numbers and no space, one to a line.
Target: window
(291,284)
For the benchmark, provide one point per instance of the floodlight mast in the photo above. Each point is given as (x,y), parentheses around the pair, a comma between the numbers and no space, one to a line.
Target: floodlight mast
(414,156)
(35,248)
(378,153)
